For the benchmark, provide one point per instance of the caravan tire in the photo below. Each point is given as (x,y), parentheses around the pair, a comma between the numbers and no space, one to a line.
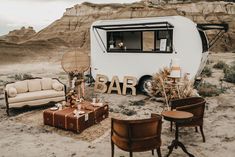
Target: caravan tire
(145,84)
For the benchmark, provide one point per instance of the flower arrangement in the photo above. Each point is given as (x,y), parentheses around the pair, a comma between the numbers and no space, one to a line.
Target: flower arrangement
(120,45)
(71,97)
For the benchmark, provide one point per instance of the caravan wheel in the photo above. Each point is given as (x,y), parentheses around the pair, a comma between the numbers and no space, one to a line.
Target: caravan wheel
(145,84)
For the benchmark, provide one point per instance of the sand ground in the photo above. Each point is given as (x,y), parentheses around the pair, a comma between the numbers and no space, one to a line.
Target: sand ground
(24,134)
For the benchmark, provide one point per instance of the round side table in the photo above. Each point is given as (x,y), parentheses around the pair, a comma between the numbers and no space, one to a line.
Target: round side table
(177,117)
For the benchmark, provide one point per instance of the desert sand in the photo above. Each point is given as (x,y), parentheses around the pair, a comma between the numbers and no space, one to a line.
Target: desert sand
(23,134)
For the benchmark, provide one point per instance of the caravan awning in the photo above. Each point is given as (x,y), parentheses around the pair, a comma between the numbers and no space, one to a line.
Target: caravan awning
(210,26)
(223,28)
(135,26)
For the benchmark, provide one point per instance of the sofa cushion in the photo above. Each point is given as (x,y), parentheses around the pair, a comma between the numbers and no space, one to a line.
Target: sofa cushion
(57,86)
(12,92)
(44,94)
(46,83)
(34,85)
(36,102)
(21,86)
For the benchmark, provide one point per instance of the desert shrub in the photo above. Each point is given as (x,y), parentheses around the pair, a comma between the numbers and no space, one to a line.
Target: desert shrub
(209,62)
(128,112)
(18,77)
(229,73)
(62,77)
(27,76)
(208,90)
(137,103)
(22,76)
(2,82)
(206,72)
(220,65)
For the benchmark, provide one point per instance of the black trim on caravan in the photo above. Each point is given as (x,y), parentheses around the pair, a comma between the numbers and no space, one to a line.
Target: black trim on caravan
(209,26)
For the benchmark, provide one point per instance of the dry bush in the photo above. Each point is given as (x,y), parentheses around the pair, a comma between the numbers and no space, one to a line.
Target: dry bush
(162,86)
(229,73)
(23,76)
(208,90)
(206,72)
(220,65)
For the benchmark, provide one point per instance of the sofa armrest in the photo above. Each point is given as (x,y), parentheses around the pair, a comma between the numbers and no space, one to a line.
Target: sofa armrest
(58,81)
(65,89)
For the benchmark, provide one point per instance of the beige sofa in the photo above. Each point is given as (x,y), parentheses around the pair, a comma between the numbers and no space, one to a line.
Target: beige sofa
(33,92)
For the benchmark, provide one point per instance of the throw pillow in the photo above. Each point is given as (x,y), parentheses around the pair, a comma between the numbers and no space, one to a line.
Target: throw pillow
(21,86)
(12,92)
(57,86)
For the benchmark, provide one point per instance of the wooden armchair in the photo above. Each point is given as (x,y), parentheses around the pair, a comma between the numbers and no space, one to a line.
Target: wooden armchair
(194,105)
(137,135)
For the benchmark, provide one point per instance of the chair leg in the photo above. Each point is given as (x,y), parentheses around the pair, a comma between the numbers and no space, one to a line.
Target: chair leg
(112,148)
(8,113)
(131,154)
(171,126)
(152,152)
(196,129)
(203,136)
(159,152)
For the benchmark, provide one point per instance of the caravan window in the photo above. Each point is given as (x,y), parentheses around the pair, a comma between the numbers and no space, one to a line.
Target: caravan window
(124,41)
(163,42)
(158,41)
(148,41)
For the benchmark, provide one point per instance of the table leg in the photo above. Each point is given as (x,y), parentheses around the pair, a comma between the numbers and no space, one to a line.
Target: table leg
(175,143)
(176,135)
(171,147)
(180,144)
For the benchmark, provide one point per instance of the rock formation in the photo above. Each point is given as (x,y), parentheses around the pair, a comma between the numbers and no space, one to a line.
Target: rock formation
(19,35)
(73,27)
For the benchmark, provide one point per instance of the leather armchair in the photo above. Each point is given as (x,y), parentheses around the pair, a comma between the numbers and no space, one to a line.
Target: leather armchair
(137,135)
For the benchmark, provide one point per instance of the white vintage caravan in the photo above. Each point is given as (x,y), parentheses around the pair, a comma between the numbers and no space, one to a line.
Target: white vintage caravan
(139,47)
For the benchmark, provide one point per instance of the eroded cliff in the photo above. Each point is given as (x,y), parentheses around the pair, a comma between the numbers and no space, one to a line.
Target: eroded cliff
(72,29)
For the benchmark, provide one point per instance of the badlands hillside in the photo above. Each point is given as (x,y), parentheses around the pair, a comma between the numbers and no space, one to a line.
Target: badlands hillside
(72,29)
(74,26)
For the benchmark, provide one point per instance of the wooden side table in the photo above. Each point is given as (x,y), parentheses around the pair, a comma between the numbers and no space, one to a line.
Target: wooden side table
(177,117)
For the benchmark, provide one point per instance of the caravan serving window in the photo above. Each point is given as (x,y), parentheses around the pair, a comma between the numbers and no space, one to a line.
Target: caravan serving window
(128,41)
(159,41)
(163,41)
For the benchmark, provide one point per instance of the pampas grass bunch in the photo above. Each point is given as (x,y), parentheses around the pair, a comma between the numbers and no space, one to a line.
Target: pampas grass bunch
(162,86)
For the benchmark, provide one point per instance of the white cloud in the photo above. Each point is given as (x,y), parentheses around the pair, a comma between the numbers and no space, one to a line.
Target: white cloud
(36,13)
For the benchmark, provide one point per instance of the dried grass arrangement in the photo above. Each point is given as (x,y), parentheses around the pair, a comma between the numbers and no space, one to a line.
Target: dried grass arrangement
(163,86)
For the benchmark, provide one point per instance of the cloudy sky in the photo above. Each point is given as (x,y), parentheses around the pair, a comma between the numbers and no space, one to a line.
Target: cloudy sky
(37,13)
